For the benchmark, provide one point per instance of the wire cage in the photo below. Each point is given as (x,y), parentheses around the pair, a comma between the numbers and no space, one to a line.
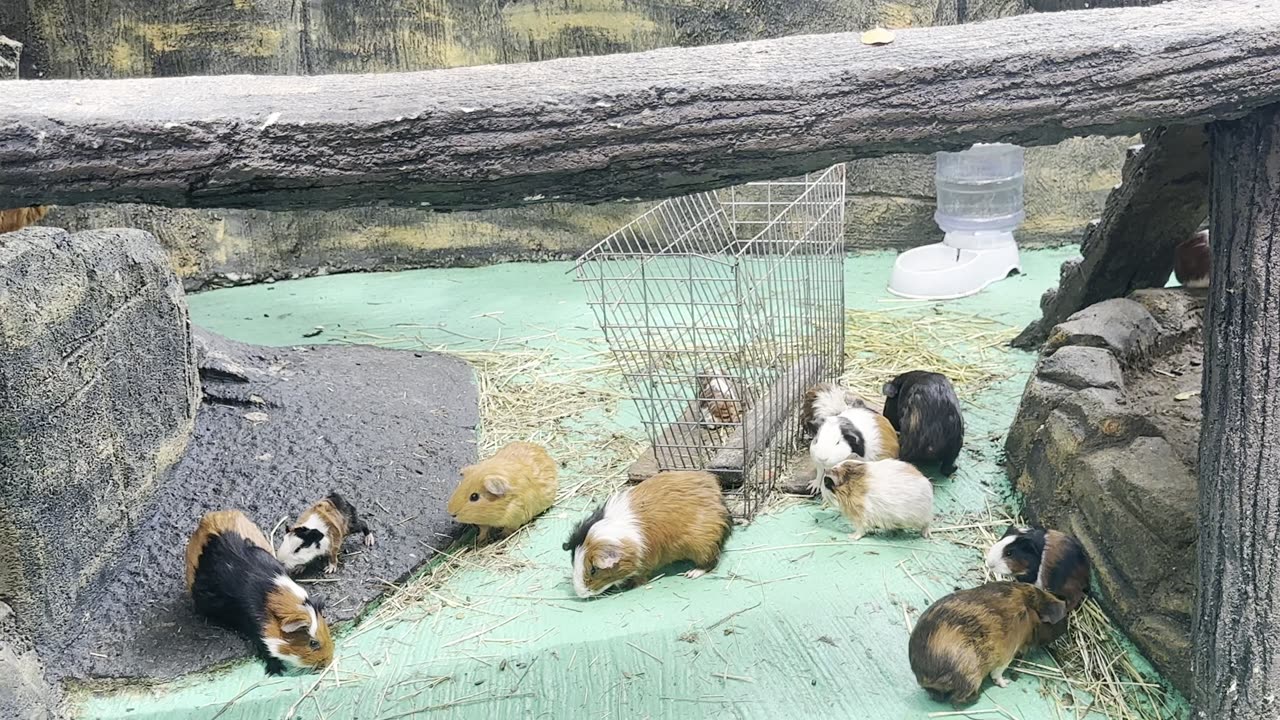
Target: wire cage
(721,309)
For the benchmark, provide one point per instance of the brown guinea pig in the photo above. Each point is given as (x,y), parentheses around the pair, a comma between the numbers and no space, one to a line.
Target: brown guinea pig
(972,634)
(18,218)
(501,493)
(319,533)
(235,580)
(1192,261)
(668,518)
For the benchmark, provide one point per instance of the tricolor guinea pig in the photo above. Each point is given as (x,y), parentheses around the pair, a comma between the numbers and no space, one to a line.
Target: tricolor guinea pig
(855,433)
(18,218)
(972,634)
(880,495)
(319,533)
(668,518)
(822,401)
(923,408)
(503,492)
(1193,261)
(1050,560)
(236,581)
(719,400)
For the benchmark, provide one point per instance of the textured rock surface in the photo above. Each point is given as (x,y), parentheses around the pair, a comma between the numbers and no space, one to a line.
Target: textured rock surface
(10,53)
(278,430)
(1105,445)
(24,694)
(98,397)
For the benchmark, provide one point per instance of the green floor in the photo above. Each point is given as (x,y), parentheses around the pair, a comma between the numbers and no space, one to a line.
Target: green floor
(796,623)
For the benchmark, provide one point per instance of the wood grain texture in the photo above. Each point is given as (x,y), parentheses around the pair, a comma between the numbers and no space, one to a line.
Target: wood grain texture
(1162,198)
(646,125)
(1236,658)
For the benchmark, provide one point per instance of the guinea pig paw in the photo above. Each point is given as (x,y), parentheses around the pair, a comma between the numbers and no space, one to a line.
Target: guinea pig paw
(856,536)
(695,573)
(925,533)
(368,540)
(1000,680)
(330,569)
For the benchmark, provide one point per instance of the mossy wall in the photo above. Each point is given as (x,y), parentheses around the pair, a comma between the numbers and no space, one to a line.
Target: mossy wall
(890,203)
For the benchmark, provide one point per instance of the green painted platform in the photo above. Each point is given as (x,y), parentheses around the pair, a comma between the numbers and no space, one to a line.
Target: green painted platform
(796,623)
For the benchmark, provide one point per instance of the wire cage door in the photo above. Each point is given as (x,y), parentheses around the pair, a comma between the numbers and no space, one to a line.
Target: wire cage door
(721,309)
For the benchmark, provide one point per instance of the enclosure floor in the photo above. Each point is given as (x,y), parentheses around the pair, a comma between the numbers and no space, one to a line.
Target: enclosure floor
(796,623)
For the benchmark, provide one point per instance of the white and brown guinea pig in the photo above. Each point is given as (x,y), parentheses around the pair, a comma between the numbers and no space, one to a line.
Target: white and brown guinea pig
(319,533)
(718,398)
(505,491)
(880,495)
(822,401)
(923,407)
(1049,559)
(1193,261)
(236,581)
(668,518)
(857,432)
(973,634)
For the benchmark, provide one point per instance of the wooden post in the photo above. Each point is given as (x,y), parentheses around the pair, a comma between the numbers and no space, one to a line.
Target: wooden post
(1236,632)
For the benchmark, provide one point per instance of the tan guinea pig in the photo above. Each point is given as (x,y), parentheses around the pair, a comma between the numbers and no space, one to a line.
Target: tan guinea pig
(972,634)
(501,493)
(668,518)
(18,218)
(882,495)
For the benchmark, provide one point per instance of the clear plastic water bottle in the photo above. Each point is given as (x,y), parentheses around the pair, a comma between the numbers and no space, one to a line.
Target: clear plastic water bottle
(980,195)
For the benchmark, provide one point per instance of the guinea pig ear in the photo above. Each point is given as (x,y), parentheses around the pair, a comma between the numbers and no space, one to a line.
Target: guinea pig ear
(496,485)
(889,390)
(1053,611)
(295,625)
(608,556)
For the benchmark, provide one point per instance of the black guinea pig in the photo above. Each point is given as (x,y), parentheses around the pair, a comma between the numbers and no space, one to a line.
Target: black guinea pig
(923,407)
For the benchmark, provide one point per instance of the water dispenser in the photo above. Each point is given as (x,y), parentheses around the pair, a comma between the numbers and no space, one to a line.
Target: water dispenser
(979,206)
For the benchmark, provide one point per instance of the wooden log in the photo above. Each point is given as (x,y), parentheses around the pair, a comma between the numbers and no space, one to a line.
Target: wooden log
(647,125)
(1235,657)
(1162,198)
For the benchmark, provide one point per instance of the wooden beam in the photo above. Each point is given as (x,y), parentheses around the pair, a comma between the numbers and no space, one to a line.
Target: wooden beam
(646,125)
(1235,656)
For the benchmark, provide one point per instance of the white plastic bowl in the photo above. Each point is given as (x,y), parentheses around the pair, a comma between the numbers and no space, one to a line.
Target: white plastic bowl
(943,272)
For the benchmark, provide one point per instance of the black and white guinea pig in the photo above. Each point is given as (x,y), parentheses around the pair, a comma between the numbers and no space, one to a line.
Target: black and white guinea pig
(1193,261)
(235,580)
(1049,559)
(858,432)
(825,400)
(319,533)
(923,407)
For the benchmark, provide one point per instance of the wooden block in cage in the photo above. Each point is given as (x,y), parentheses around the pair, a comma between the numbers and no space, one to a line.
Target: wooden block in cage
(675,443)
(763,420)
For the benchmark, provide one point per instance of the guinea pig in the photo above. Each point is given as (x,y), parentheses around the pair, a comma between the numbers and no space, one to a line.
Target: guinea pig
(668,518)
(718,399)
(503,492)
(319,533)
(923,408)
(971,634)
(18,218)
(822,401)
(236,581)
(1049,559)
(1192,261)
(857,432)
(880,495)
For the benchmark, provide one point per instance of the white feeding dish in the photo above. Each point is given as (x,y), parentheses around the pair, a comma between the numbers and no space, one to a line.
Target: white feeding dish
(979,206)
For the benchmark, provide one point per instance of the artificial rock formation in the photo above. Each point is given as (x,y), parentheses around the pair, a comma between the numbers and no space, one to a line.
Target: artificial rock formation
(98,396)
(1105,446)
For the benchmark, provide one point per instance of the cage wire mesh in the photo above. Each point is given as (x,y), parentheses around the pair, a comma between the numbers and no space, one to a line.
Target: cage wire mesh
(721,309)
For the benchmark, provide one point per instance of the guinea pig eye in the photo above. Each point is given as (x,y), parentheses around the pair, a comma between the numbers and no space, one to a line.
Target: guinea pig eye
(315,644)
(475,497)
(593,570)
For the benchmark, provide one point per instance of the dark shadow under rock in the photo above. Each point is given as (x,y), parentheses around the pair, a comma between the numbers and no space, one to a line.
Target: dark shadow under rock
(279,429)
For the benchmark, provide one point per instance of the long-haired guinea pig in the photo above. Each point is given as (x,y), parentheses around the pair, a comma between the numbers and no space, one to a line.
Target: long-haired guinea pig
(855,433)
(880,495)
(235,580)
(825,400)
(923,408)
(1192,261)
(503,492)
(718,399)
(1049,559)
(972,634)
(319,533)
(18,218)
(668,518)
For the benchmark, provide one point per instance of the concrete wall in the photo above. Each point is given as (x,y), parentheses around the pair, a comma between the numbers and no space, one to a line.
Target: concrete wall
(890,201)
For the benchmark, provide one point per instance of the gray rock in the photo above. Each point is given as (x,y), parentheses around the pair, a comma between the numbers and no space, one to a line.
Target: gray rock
(10,52)
(387,429)
(1120,325)
(1082,367)
(221,359)
(24,693)
(1178,311)
(98,396)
